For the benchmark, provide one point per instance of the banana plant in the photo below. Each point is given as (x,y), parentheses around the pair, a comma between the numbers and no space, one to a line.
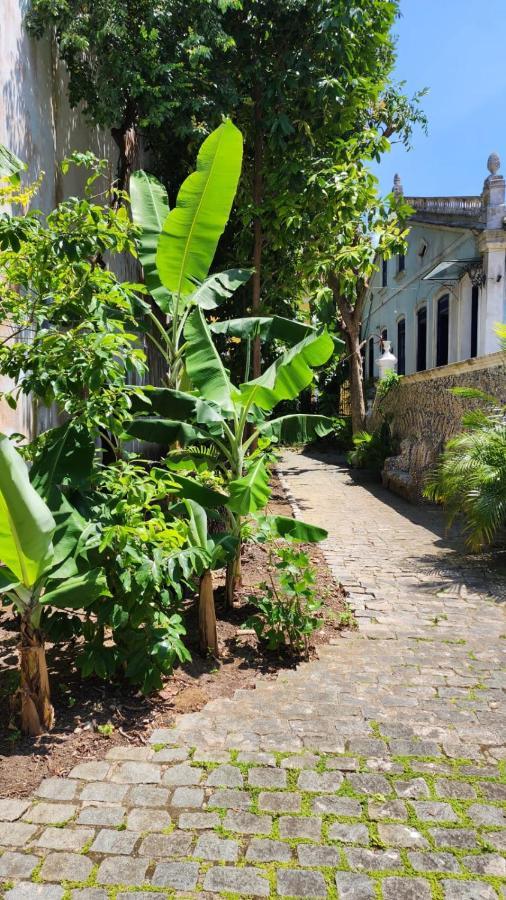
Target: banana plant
(234,417)
(39,551)
(176,247)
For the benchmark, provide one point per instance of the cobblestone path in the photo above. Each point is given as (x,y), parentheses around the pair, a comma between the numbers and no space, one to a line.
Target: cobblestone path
(376,771)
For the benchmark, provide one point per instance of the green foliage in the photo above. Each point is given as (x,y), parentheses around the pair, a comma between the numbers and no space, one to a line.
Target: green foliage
(288,604)
(371,450)
(470,478)
(390,380)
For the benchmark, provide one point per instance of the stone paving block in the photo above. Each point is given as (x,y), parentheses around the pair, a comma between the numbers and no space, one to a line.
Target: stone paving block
(146,819)
(10,810)
(354,887)
(381,764)
(486,864)
(457,838)
(29,891)
(414,748)
(401,836)
(274,801)
(468,890)
(457,790)
(89,894)
(366,746)
(187,798)
(247,823)
(210,846)
(101,815)
(206,755)
(17,865)
(50,813)
(406,889)
(265,850)
(127,753)
(342,763)
(138,895)
(199,821)
(370,784)
(148,795)
(298,883)
(122,870)
(325,782)
(170,755)
(336,806)
(432,811)
(300,827)
(58,789)
(434,862)
(482,814)
(66,867)
(373,860)
(114,842)
(497,839)
(416,789)
(493,790)
(300,761)
(104,792)
(95,770)
(162,736)
(225,776)
(179,876)
(390,809)
(267,778)
(65,838)
(159,846)
(16,834)
(136,773)
(256,758)
(317,855)
(349,834)
(243,881)
(182,775)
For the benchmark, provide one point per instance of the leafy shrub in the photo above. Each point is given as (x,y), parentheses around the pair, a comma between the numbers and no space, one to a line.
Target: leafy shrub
(390,380)
(287,607)
(371,449)
(470,478)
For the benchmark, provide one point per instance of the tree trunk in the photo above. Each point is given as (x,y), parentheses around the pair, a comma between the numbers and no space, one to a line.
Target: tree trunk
(234,577)
(356,380)
(208,638)
(37,714)
(258,154)
(127,141)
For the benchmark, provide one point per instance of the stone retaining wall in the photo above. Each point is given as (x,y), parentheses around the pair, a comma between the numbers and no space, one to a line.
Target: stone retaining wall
(424,414)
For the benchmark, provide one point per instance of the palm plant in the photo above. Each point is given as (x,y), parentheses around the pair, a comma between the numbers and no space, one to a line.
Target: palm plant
(470,478)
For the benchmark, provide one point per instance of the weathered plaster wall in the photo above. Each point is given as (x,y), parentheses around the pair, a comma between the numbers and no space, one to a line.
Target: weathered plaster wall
(424,414)
(37,124)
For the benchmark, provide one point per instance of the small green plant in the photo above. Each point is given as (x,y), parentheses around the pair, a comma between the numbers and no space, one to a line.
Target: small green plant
(106,730)
(390,380)
(288,604)
(371,449)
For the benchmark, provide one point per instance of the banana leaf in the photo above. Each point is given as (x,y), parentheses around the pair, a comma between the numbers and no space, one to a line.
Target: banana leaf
(161,431)
(66,458)
(291,373)
(150,208)
(26,523)
(220,287)
(203,364)
(77,592)
(293,529)
(296,429)
(10,166)
(193,228)
(269,328)
(200,493)
(177,405)
(251,492)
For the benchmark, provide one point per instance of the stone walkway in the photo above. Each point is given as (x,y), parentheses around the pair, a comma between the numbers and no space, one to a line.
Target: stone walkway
(376,771)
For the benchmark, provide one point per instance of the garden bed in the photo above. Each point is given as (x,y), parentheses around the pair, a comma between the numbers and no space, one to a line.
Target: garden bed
(85,709)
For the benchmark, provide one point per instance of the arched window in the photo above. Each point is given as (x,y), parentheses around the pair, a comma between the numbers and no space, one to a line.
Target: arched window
(421,339)
(443,330)
(401,347)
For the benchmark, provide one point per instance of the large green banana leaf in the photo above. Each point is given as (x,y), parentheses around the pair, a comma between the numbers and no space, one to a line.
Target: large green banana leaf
(176,405)
(290,373)
(220,287)
(296,429)
(251,492)
(161,431)
(203,364)
(201,494)
(66,459)
(269,328)
(10,165)
(26,523)
(193,228)
(150,208)
(291,529)
(78,592)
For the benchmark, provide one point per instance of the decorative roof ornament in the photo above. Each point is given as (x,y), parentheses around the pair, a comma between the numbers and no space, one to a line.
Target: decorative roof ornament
(493,164)
(397,189)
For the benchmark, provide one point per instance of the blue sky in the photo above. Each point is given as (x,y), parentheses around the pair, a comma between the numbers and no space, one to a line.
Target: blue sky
(456,48)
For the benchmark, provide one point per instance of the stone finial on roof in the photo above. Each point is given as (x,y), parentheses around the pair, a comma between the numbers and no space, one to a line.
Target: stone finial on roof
(397,189)
(493,164)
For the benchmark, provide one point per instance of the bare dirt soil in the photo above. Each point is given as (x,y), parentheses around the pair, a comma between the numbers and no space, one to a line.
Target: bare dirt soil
(83,707)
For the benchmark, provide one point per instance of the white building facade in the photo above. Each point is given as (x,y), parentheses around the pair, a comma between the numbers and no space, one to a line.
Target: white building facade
(441,302)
